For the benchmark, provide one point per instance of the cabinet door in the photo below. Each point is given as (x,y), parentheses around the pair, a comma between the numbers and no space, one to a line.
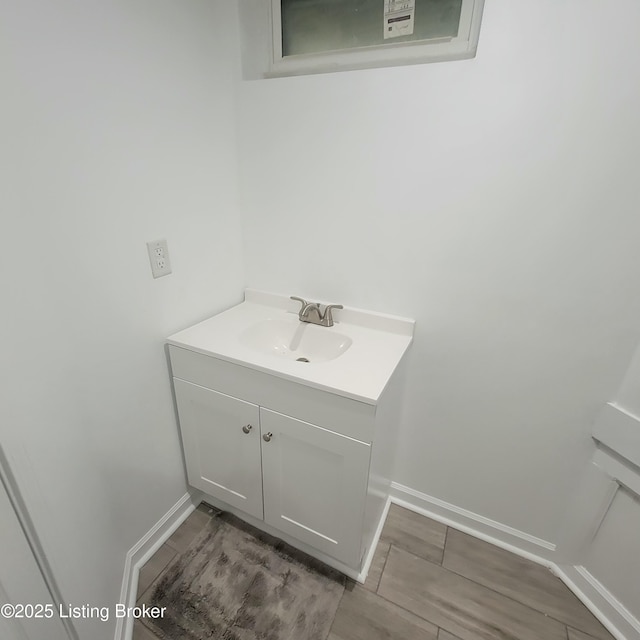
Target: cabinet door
(221,438)
(315,484)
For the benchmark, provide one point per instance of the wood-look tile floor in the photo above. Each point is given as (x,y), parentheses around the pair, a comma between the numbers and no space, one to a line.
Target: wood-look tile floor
(431,582)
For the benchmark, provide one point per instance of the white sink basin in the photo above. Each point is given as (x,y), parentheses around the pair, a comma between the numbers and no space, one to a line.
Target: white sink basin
(354,358)
(294,340)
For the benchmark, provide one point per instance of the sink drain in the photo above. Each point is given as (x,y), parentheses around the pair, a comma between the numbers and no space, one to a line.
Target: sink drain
(302,360)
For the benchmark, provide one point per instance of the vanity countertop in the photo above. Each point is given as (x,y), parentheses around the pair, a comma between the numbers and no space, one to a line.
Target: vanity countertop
(354,358)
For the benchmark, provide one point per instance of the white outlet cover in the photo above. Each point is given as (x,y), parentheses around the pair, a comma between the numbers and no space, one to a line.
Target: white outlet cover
(159,258)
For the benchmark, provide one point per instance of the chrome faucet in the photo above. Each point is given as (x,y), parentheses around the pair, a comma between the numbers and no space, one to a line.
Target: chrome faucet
(311,312)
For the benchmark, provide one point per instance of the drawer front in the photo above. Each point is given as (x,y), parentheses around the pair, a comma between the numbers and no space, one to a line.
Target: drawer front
(342,415)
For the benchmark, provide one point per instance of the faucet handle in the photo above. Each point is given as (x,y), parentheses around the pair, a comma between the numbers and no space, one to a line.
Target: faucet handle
(327,316)
(302,301)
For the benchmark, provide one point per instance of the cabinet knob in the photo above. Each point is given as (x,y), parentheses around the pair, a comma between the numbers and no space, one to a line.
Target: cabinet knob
(247,428)
(267,436)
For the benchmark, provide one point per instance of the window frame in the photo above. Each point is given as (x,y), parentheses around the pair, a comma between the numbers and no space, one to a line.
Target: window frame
(463,46)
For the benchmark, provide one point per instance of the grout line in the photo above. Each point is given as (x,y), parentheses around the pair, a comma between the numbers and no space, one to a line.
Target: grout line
(168,544)
(413,613)
(584,633)
(340,604)
(159,574)
(503,594)
(384,566)
(480,584)
(484,586)
(524,604)
(444,546)
(401,547)
(146,628)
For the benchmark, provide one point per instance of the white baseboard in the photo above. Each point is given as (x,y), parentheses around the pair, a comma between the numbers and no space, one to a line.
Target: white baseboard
(620,622)
(138,555)
(601,602)
(496,533)
(366,565)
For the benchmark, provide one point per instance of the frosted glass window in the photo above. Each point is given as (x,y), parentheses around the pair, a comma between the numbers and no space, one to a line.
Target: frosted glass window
(323,36)
(315,26)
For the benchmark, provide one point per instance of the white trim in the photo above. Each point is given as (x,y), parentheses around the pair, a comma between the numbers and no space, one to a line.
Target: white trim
(461,47)
(619,430)
(140,553)
(275,15)
(618,469)
(496,533)
(32,539)
(374,543)
(600,601)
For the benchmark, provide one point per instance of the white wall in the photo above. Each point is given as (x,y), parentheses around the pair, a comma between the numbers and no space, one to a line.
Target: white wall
(495,201)
(117,128)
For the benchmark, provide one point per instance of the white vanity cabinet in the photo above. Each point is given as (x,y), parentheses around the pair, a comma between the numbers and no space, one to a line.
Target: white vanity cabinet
(290,434)
(302,479)
(305,480)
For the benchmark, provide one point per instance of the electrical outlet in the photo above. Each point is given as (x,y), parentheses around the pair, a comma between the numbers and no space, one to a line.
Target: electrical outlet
(159,258)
